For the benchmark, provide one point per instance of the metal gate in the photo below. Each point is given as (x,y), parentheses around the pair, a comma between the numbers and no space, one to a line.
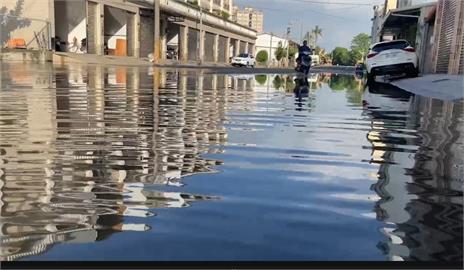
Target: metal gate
(450,37)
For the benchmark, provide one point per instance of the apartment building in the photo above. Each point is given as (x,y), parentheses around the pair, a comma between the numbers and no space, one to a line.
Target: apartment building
(249,17)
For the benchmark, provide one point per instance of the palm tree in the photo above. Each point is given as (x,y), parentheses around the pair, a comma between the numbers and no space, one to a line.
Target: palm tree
(317,32)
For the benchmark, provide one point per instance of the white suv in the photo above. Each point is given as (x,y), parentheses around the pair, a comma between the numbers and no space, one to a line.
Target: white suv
(244,59)
(391,57)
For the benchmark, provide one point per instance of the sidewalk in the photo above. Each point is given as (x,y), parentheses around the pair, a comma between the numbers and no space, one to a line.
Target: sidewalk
(439,86)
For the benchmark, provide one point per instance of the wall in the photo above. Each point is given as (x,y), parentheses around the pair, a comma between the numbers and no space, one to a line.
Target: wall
(264,42)
(34,13)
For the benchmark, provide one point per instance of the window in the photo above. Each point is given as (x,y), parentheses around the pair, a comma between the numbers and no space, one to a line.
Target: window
(400,44)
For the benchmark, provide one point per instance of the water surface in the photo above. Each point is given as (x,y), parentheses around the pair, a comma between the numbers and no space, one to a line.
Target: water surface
(102,163)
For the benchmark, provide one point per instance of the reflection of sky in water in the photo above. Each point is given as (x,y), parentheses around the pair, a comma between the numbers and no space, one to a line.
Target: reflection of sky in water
(281,166)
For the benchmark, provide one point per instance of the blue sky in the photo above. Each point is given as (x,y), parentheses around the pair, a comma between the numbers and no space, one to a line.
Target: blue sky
(339,23)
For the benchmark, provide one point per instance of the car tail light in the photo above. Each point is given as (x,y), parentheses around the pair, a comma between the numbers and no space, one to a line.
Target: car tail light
(409,49)
(371,55)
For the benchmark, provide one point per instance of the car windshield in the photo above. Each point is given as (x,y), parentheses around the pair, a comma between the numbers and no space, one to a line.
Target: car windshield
(243,55)
(390,45)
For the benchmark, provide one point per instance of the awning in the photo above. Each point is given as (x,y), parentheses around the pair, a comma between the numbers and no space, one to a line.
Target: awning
(398,18)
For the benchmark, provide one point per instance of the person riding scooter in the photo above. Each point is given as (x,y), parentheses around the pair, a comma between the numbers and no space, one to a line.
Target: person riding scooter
(305,51)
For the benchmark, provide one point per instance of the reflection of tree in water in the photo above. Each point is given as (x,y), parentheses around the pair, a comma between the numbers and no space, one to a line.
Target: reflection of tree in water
(416,143)
(261,79)
(284,82)
(277,82)
(99,161)
(10,20)
(352,86)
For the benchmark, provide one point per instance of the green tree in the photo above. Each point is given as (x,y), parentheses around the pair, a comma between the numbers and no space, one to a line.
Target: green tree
(262,56)
(360,43)
(261,79)
(292,52)
(340,56)
(317,32)
(354,57)
(280,53)
(309,36)
(10,20)
(225,14)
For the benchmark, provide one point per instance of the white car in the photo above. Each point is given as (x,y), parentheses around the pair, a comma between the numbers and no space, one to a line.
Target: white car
(391,58)
(244,59)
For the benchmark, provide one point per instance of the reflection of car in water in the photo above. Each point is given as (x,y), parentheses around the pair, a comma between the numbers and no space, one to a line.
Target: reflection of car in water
(242,77)
(379,95)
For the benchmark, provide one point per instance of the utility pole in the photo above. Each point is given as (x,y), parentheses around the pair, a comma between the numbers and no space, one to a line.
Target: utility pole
(288,46)
(301,31)
(270,51)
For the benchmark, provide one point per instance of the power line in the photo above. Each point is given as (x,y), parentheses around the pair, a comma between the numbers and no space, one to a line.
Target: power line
(333,3)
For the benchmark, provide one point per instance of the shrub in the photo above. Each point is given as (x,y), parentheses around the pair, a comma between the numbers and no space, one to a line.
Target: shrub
(262,57)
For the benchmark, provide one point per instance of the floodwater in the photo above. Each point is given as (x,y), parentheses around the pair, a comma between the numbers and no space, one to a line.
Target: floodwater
(139,164)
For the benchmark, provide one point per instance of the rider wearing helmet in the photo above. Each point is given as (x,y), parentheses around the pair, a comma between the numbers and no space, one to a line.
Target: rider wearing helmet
(301,49)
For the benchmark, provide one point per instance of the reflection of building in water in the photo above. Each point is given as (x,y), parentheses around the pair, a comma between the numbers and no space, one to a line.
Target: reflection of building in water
(419,149)
(76,162)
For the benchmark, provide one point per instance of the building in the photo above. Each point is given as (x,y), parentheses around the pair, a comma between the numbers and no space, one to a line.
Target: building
(218,7)
(448,39)
(135,28)
(249,17)
(269,42)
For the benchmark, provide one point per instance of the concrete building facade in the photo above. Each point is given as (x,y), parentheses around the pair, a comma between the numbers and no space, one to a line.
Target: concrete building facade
(270,42)
(249,17)
(134,28)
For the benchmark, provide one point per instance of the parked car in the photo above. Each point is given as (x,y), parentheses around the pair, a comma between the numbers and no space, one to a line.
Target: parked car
(244,59)
(391,58)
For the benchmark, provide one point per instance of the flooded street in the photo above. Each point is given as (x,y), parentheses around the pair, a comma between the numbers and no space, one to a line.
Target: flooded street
(130,163)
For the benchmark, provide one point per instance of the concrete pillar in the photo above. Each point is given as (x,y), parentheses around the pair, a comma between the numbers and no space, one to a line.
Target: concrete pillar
(156,31)
(137,35)
(183,43)
(251,48)
(246,47)
(237,47)
(227,50)
(163,37)
(133,27)
(216,48)
(101,33)
(202,46)
(210,5)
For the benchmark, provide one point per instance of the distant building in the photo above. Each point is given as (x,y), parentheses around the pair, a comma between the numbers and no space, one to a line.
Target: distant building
(249,17)
(219,7)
